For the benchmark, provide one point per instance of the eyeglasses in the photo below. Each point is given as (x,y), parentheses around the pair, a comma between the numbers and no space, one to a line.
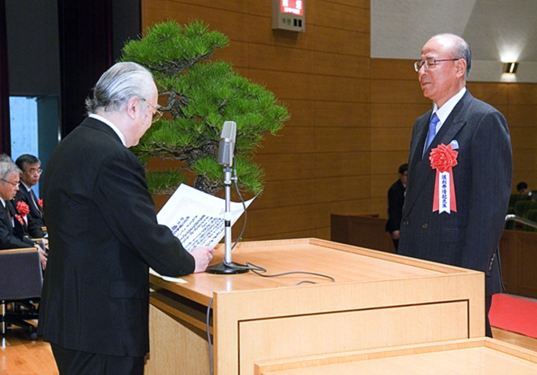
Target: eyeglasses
(157,114)
(430,63)
(35,171)
(15,184)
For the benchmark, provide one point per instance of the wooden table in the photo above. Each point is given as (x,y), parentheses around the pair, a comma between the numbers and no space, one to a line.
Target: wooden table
(378,300)
(470,356)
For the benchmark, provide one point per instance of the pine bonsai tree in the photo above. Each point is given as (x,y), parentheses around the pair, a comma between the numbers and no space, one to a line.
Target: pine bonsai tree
(200,96)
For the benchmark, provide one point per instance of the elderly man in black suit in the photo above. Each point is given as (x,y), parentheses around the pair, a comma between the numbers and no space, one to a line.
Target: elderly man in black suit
(104,234)
(460,170)
(31,171)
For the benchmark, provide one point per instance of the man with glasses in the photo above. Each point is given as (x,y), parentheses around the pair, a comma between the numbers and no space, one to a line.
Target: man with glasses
(10,236)
(31,171)
(104,235)
(460,169)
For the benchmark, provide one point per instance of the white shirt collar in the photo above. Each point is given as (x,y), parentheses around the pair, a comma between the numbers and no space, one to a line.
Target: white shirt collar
(26,186)
(446,109)
(3,202)
(109,123)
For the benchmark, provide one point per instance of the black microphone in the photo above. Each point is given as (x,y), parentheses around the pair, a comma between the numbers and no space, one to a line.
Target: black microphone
(227,144)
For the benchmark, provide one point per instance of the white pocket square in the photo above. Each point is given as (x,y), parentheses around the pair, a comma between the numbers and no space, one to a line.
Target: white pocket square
(454,144)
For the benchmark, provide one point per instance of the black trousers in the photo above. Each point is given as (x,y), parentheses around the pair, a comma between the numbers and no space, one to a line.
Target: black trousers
(488,303)
(74,362)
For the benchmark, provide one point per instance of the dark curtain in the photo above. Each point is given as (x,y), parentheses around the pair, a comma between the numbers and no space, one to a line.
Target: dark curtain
(5,139)
(86,52)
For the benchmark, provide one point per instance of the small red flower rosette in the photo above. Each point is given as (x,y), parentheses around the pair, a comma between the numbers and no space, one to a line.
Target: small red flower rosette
(443,159)
(40,203)
(23,208)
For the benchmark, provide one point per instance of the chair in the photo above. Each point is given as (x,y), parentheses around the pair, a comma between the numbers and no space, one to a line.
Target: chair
(530,215)
(522,206)
(21,279)
(514,198)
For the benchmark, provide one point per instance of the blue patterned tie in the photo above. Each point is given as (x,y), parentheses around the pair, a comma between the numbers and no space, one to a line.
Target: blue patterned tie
(431,133)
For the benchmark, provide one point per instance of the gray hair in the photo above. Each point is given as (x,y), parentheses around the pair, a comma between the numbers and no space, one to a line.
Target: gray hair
(118,85)
(7,168)
(5,157)
(461,49)
(26,159)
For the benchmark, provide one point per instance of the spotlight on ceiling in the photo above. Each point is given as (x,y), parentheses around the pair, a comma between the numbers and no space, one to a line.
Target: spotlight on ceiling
(510,67)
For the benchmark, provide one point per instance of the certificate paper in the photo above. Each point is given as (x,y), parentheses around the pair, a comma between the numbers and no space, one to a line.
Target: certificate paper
(197,218)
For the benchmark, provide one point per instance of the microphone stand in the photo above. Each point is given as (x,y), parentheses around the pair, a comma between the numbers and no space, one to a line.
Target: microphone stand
(227,266)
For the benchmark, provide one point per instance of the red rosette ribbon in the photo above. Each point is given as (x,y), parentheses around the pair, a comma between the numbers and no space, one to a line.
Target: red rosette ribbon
(443,159)
(20,219)
(23,208)
(40,203)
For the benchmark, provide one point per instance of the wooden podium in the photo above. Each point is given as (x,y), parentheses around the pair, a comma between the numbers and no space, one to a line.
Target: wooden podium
(378,300)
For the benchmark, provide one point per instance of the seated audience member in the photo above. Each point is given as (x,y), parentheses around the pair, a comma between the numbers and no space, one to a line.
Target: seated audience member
(11,235)
(31,171)
(523,189)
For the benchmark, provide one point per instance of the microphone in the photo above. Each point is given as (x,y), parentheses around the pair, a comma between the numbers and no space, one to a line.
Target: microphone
(227,144)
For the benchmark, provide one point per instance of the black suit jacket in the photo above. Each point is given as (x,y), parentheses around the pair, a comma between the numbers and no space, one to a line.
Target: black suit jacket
(469,237)
(35,216)
(396,199)
(103,236)
(12,237)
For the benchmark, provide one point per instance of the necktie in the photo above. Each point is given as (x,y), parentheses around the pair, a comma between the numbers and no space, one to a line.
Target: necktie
(431,133)
(34,201)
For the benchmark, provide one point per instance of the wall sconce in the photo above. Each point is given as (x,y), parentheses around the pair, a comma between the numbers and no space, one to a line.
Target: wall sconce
(510,67)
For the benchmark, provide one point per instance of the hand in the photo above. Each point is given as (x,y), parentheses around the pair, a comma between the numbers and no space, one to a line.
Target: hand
(202,255)
(42,256)
(395,234)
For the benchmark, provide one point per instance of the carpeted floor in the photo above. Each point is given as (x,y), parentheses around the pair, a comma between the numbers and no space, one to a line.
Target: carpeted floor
(514,314)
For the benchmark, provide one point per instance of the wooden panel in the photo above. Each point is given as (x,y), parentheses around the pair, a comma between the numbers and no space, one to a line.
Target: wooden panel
(396,69)
(380,185)
(342,164)
(522,93)
(351,42)
(331,333)
(392,91)
(342,188)
(285,59)
(173,334)
(341,89)
(390,139)
(289,140)
(342,139)
(285,85)
(280,220)
(522,115)
(286,166)
(336,65)
(333,14)
(472,356)
(285,193)
(397,115)
(388,162)
(493,93)
(341,114)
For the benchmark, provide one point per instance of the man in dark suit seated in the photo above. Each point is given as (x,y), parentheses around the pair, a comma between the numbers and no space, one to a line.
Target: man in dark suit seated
(31,171)
(11,222)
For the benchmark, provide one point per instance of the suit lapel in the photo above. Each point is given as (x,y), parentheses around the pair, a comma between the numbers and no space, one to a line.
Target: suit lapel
(421,167)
